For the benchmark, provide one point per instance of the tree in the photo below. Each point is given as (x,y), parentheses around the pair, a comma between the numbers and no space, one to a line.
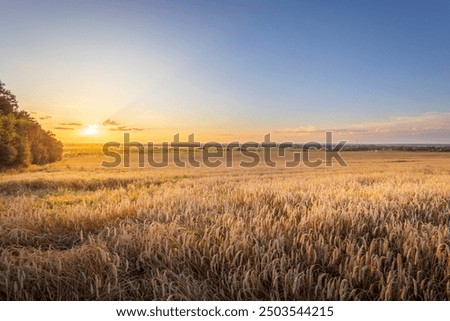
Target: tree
(22,139)
(8,97)
(5,106)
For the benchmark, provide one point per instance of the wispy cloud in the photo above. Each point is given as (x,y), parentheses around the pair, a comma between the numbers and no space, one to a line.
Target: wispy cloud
(314,129)
(63,128)
(425,127)
(419,123)
(127,129)
(40,116)
(70,124)
(115,126)
(110,122)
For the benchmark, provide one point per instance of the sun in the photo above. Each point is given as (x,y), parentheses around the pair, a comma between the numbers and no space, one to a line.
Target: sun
(91,130)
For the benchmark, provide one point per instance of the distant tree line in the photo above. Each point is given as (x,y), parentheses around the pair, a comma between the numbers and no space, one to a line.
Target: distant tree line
(22,139)
(399,147)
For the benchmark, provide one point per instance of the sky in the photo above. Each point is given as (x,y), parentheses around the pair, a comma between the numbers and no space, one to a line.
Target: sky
(370,71)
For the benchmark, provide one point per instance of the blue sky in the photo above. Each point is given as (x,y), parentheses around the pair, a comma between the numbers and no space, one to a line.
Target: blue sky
(373,71)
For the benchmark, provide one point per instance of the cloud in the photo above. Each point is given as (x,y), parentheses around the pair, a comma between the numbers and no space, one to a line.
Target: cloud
(70,124)
(313,129)
(40,116)
(418,123)
(110,122)
(115,126)
(126,129)
(424,122)
(63,128)
(425,127)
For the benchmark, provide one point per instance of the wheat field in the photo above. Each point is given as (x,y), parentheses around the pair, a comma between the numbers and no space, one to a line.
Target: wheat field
(375,230)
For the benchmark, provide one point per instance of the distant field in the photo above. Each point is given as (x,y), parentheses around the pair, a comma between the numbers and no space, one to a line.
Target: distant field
(377,229)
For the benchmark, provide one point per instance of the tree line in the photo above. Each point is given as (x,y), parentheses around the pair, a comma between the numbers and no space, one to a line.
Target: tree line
(22,139)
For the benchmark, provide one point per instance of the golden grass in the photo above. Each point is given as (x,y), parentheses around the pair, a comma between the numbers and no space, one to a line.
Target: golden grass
(377,230)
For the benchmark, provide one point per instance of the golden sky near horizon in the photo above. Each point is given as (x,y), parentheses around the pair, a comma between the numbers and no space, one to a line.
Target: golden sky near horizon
(230,71)
(77,130)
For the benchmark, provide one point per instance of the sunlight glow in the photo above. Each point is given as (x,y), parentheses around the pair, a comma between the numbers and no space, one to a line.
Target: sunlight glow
(91,130)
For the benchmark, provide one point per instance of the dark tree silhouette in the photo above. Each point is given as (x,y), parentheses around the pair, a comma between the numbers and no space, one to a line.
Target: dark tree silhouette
(22,139)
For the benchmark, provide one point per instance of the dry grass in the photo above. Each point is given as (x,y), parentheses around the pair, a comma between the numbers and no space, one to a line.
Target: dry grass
(372,231)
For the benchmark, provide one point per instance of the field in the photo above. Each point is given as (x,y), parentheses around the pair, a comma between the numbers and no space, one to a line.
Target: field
(377,229)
